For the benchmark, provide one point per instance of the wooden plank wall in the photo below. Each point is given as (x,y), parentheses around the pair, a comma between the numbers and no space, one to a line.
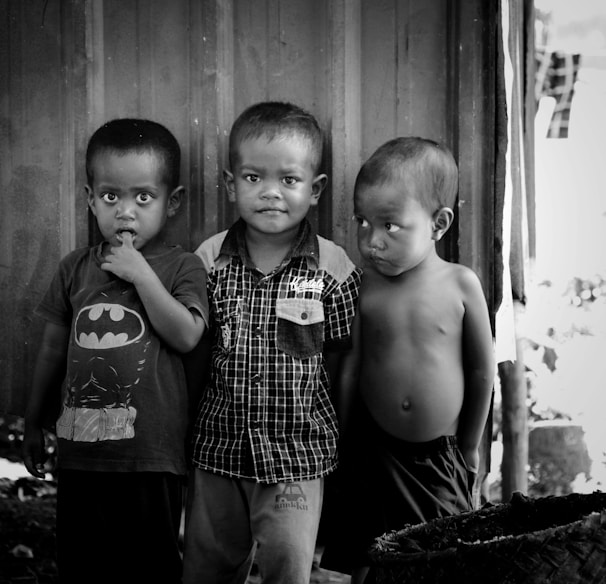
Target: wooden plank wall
(369,70)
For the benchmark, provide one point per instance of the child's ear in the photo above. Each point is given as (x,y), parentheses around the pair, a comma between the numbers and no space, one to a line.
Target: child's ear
(442,220)
(317,186)
(228,179)
(174,201)
(90,198)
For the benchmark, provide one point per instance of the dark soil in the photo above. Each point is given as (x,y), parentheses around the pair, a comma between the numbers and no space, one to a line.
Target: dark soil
(27,517)
(27,532)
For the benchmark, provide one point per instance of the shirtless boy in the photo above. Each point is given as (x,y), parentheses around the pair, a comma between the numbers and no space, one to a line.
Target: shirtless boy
(425,363)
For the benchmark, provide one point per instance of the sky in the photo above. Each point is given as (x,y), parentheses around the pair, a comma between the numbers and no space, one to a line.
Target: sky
(578,25)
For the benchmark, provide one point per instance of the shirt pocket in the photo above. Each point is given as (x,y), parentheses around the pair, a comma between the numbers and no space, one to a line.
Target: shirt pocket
(227,319)
(300,326)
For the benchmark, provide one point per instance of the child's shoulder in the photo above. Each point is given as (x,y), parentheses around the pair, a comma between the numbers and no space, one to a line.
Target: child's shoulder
(334,259)
(78,256)
(462,273)
(208,251)
(465,279)
(73,265)
(81,252)
(177,258)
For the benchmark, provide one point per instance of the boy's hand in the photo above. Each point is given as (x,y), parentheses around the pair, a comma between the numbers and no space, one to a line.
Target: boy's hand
(125,261)
(34,455)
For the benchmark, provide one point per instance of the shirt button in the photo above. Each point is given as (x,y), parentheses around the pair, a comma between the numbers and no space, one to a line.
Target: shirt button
(256,378)
(258,331)
(304,316)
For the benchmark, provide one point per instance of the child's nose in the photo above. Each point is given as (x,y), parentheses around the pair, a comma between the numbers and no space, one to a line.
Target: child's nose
(125,210)
(271,190)
(376,241)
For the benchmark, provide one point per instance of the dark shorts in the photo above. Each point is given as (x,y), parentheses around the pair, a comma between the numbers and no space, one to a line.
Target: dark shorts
(118,527)
(387,483)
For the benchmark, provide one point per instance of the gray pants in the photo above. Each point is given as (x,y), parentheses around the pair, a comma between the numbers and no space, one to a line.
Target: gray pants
(230,521)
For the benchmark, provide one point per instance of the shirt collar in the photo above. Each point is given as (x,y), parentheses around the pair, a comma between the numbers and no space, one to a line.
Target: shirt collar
(305,244)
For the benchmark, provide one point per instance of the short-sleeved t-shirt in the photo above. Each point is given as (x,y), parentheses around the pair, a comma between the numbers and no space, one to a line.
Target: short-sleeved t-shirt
(124,399)
(267,413)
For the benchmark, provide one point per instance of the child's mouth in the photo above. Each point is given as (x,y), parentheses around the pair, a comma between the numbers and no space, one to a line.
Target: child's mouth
(271,211)
(120,234)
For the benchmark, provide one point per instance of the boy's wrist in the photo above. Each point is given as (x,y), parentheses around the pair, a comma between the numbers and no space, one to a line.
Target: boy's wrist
(144,275)
(465,447)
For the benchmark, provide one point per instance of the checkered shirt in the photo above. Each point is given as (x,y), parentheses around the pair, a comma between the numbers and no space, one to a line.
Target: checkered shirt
(556,75)
(266,413)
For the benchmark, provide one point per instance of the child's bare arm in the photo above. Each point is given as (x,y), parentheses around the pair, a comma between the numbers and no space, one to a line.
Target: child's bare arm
(175,324)
(45,394)
(346,380)
(479,368)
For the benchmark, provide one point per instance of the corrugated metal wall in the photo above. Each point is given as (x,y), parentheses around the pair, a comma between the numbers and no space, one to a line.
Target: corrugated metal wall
(368,69)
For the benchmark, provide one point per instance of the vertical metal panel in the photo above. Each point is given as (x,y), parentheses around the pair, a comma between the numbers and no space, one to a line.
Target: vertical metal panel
(369,70)
(211,103)
(42,67)
(379,69)
(422,58)
(404,70)
(474,118)
(345,118)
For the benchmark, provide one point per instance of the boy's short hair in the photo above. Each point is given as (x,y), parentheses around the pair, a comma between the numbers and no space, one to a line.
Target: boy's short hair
(271,119)
(427,167)
(124,135)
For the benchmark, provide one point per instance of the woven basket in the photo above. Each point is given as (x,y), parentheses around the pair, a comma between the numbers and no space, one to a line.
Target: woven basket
(554,540)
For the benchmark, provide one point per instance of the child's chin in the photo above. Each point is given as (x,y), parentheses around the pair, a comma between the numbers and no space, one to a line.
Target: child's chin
(387,270)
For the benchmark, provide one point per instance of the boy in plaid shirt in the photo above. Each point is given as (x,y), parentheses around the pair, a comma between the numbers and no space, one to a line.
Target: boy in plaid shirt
(281,297)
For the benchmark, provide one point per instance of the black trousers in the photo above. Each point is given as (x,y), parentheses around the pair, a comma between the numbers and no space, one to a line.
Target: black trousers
(118,527)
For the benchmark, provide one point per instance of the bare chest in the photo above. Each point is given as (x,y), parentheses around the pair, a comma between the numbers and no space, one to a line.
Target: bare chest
(416,312)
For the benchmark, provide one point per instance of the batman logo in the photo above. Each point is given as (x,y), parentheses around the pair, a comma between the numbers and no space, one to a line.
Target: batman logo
(107,326)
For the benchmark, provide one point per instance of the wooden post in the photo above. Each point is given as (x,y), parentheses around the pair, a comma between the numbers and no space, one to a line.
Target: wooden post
(515,428)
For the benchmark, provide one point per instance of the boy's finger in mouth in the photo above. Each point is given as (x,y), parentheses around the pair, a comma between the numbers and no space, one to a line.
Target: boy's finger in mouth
(124,234)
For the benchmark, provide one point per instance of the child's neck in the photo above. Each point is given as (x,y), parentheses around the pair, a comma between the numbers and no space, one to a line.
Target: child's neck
(268,250)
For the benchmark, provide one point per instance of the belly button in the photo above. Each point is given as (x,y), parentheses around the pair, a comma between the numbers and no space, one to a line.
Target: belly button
(406,404)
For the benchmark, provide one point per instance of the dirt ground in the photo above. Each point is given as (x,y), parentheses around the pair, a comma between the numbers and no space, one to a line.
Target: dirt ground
(27,536)
(27,532)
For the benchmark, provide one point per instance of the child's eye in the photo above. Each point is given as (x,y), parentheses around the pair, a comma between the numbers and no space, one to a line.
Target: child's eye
(289,180)
(251,178)
(109,197)
(143,198)
(392,227)
(360,221)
